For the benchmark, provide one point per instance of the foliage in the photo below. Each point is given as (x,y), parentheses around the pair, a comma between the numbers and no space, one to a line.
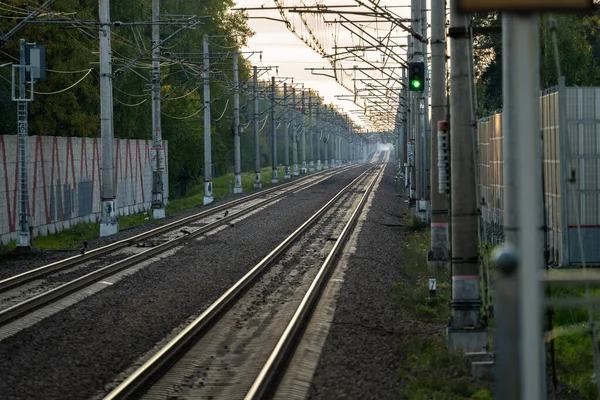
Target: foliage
(74,47)
(578,48)
(428,370)
(573,343)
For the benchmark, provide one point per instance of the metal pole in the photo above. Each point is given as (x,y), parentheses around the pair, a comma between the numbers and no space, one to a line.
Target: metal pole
(295,135)
(303,125)
(24,239)
(274,134)
(109,224)
(286,139)
(310,134)
(417,55)
(208,193)
(237,168)
(506,332)
(439,204)
(523,96)
(257,181)
(465,330)
(158,164)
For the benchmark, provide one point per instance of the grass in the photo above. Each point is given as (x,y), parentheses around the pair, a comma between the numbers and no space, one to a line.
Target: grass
(428,370)
(73,238)
(573,343)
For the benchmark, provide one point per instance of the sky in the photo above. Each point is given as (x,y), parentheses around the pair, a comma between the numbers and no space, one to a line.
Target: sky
(282,48)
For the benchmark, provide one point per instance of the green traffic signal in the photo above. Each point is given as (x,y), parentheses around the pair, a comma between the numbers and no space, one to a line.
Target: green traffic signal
(416,84)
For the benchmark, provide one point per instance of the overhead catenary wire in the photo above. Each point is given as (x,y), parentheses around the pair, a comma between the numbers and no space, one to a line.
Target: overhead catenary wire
(130,105)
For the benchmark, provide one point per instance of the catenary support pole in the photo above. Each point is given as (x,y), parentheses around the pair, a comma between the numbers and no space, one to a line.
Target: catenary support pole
(326,143)
(275,178)
(319,136)
(286,132)
(465,329)
(439,205)
(109,224)
(303,126)
(257,181)
(158,156)
(237,168)
(208,192)
(24,238)
(295,134)
(311,166)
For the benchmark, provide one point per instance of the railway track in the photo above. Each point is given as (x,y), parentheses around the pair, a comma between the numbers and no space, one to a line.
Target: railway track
(242,342)
(28,292)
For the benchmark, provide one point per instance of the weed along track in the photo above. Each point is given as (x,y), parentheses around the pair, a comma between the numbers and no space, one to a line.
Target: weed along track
(37,291)
(240,343)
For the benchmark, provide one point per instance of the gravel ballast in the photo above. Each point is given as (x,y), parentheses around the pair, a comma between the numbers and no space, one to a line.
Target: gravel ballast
(16,263)
(360,357)
(75,353)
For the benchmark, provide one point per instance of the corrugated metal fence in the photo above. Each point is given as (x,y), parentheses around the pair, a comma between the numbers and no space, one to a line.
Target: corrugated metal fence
(570,128)
(64,181)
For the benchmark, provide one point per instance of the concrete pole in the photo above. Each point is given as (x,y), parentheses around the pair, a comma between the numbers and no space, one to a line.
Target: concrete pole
(109,224)
(319,136)
(257,181)
(24,238)
(465,329)
(311,166)
(523,230)
(208,193)
(237,171)
(425,123)
(275,178)
(286,133)
(295,134)
(158,162)
(326,142)
(439,205)
(404,128)
(303,126)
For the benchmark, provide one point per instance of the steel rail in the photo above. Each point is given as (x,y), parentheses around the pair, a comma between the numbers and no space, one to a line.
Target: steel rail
(137,383)
(16,280)
(275,366)
(9,314)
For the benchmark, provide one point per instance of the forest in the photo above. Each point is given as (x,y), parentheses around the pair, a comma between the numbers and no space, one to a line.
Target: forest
(69,31)
(578,51)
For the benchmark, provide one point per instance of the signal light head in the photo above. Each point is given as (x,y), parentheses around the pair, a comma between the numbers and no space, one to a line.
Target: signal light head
(415,76)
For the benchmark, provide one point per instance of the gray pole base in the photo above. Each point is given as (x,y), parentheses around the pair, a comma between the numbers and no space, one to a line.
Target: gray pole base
(296,170)
(237,187)
(319,167)
(158,213)
(311,167)
(275,176)
(303,169)
(109,224)
(208,193)
(24,241)
(257,181)
(326,165)
(287,174)
(467,340)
